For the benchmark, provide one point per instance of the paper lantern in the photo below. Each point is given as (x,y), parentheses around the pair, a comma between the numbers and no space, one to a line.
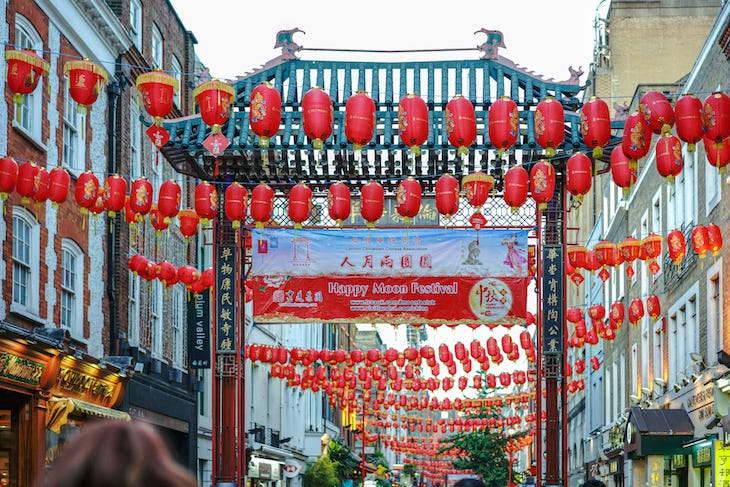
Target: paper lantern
(515,187)
(477,187)
(700,240)
(653,308)
(461,124)
(86,79)
(338,202)
(716,116)
(595,363)
(262,204)
(504,124)
(24,70)
(623,170)
(188,219)
(26,183)
(136,263)
(359,119)
(636,311)
(140,197)
(372,198)
(265,112)
(606,252)
(677,246)
(577,254)
(58,185)
(669,160)
(206,201)
(718,153)
(595,125)
(235,203)
(629,248)
(87,188)
(317,116)
(549,125)
(40,191)
(542,183)
(113,194)
(688,116)
(636,138)
(413,122)
(579,175)
(714,238)
(8,176)
(214,99)
(616,316)
(168,199)
(408,199)
(596,312)
(447,195)
(300,204)
(657,112)
(158,220)
(166,273)
(652,245)
(158,91)
(592,262)
(187,274)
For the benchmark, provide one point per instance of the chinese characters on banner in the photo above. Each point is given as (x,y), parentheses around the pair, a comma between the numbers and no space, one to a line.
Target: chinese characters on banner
(398,275)
(199,330)
(552,305)
(225,303)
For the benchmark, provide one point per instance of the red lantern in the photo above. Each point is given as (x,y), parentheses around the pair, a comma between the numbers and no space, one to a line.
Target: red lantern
(700,240)
(113,194)
(158,90)
(87,187)
(214,99)
(595,125)
(592,262)
(262,204)
(718,153)
(317,115)
(636,138)
(140,197)
(652,245)
(158,220)
(58,184)
(606,253)
(714,239)
(515,187)
(595,363)
(677,246)
(579,175)
(636,311)
(86,79)
(688,114)
(413,122)
(188,219)
(504,124)
(235,204)
(300,204)
(549,125)
(477,187)
(24,70)
(623,170)
(137,263)
(359,119)
(716,116)
(461,123)
(616,316)
(338,202)
(187,275)
(372,198)
(206,201)
(653,308)
(542,183)
(408,199)
(669,161)
(447,195)
(629,248)
(596,313)
(40,192)
(577,254)
(27,181)
(265,112)
(657,112)
(168,200)
(8,176)
(166,273)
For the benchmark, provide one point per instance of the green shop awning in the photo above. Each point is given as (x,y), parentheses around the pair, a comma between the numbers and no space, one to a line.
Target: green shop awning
(657,431)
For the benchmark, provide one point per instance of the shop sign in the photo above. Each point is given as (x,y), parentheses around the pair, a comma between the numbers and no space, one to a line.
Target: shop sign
(615,466)
(199,330)
(722,464)
(726,430)
(655,471)
(427,214)
(292,468)
(700,404)
(226,298)
(84,385)
(263,468)
(552,285)
(702,454)
(679,461)
(20,369)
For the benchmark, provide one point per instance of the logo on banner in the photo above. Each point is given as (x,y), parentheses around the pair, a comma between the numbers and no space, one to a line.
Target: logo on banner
(292,468)
(490,299)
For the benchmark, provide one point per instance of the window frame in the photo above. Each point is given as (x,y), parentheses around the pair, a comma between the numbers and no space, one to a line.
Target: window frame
(178,328)
(75,125)
(176,71)
(156,322)
(135,23)
(133,309)
(27,116)
(77,319)
(157,55)
(31,305)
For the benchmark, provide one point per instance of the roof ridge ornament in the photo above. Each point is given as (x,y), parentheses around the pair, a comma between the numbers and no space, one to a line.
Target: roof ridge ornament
(285,40)
(490,48)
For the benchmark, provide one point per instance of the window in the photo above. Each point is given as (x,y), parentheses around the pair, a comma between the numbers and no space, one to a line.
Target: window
(713,191)
(176,71)
(28,115)
(681,199)
(156,48)
(178,305)
(135,143)
(72,286)
(714,311)
(133,310)
(658,348)
(156,318)
(135,22)
(26,262)
(682,334)
(656,213)
(73,143)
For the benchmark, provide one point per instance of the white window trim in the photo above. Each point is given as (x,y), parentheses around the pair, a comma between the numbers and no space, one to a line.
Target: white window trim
(714,330)
(31,309)
(178,328)
(157,55)
(35,132)
(77,166)
(135,23)
(679,364)
(135,140)
(156,334)
(77,328)
(176,71)
(133,321)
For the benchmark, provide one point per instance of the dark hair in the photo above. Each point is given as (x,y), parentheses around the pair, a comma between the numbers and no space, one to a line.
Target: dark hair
(116,453)
(469,483)
(593,483)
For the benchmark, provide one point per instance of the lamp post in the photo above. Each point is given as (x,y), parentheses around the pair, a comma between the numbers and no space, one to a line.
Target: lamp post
(510,432)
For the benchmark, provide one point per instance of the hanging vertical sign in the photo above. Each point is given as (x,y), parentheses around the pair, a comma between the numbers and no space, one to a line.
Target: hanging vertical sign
(225,306)
(552,305)
(199,330)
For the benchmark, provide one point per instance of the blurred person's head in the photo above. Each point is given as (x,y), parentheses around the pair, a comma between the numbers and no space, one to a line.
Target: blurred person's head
(117,453)
(469,483)
(593,483)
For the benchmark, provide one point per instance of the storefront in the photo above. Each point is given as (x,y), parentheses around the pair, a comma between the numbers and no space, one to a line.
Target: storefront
(264,472)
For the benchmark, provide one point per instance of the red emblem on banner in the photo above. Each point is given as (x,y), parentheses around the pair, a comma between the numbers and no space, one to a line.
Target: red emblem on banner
(158,135)
(477,220)
(216,144)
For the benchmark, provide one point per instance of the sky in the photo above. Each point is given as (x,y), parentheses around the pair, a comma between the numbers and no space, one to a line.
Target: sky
(235,37)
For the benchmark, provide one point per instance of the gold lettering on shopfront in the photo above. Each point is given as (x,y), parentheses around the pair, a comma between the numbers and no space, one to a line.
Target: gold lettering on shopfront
(20,369)
(75,381)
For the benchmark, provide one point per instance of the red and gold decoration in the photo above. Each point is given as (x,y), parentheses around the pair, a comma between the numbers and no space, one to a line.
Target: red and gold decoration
(214,99)
(408,199)
(317,116)
(8,176)
(359,120)
(300,204)
(579,172)
(595,125)
(235,204)
(549,125)
(168,200)
(542,183)
(653,307)
(58,185)
(113,194)
(262,204)
(206,201)
(516,183)
(86,79)
(636,139)
(688,116)
(413,122)
(677,246)
(629,248)
(158,91)
(606,253)
(716,116)
(657,112)
(636,311)
(87,188)
(188,219)
(652,245)
(700,240)
(718,153)
(27,182)
(714,236)
(669,160)
(24,70)
(140,197)
(504,124)
(461,124)
(265,112)
(623,170)
(338,202)
(372,200)
(447,195)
